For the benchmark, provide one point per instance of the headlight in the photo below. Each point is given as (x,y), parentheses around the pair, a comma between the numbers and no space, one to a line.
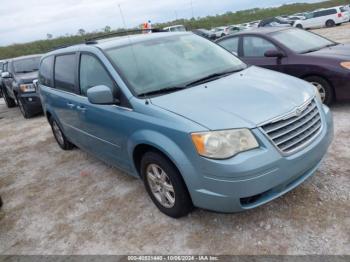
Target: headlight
(345,64)
(223,144)
(27,88)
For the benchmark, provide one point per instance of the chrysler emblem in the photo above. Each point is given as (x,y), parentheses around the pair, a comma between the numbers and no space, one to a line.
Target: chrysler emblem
(298,112)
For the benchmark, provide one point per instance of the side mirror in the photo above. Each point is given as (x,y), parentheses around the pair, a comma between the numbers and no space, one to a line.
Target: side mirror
(36,83)
(100,95)
(6,75)
(274,53)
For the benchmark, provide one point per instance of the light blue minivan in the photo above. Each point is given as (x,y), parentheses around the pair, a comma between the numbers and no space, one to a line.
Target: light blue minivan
(196,124)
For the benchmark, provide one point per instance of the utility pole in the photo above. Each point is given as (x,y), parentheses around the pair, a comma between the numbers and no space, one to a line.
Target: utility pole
(192,8)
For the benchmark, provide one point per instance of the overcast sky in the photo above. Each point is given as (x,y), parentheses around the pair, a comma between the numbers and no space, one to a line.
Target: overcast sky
(28,20)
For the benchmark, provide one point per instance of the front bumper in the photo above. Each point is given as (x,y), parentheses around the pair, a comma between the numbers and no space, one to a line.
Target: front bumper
(258,176)
(31,102)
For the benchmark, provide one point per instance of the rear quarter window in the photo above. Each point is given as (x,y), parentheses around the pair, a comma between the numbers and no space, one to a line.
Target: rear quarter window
(65,71)
(231,44)
(45,71)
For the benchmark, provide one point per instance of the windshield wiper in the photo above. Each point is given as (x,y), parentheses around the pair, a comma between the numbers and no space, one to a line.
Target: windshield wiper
(26,71)
(311,50)
(163,91)
(212,77)
(190,84)
(319,48)
(330,45)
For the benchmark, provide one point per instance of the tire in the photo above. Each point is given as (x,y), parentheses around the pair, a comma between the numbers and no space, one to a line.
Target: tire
(163,181)
(23,108)
(326,90)
(330,23)
(299,26)
(8,100)
(61,139)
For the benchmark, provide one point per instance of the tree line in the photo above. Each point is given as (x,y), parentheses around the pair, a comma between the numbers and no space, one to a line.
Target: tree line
(229,18)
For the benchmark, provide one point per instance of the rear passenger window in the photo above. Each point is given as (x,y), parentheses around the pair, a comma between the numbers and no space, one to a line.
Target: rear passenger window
(65,72)
(45,71)
(325,12)
(230,44)
(92,73)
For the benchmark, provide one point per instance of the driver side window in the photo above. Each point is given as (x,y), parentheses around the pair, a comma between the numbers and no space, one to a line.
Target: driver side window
(254,46)
(92,73)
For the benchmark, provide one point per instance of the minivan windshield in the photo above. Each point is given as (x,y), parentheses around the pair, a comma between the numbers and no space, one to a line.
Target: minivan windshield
(26,65)
(301,41)
(171,62)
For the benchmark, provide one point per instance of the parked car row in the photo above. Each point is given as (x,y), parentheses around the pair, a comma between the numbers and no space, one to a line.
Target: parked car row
(17,85)
(326,17)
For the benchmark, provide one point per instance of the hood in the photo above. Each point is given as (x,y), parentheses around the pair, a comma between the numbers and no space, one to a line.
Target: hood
(341,51)
(27,77)
(244,99)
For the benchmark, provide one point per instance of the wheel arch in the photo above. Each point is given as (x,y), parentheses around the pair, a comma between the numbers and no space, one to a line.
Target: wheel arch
(140,142)
(324,78)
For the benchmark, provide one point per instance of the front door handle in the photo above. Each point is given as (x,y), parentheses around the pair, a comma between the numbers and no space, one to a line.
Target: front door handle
(81,109)
(70,105)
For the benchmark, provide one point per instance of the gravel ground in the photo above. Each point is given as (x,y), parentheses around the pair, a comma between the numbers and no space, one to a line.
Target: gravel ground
(340,34)
(59,202)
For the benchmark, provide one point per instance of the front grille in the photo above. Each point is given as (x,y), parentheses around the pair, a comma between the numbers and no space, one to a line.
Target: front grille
(296,131)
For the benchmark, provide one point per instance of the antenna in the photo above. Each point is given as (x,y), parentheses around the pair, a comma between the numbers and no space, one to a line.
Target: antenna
(122,16)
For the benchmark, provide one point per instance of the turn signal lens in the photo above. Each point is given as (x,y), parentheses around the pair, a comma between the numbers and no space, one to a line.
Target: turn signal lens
(345,65)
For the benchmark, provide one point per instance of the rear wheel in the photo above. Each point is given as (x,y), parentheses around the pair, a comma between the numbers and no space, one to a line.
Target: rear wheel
(61,139)
(165,186)
(299,26)
(330,23)
(323,87)
(8,100)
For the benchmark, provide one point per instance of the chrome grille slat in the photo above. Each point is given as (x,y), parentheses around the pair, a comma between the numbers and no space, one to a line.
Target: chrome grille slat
(303,121)
(289,121)
(312,132)
(294,132)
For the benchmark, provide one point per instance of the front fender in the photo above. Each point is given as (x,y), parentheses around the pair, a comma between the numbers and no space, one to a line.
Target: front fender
(169,148)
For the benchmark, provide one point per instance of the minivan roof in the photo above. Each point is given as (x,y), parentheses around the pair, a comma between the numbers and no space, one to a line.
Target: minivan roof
(119,41)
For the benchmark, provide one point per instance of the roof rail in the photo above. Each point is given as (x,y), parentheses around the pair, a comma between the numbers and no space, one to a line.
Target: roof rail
(92,40)
(64,46)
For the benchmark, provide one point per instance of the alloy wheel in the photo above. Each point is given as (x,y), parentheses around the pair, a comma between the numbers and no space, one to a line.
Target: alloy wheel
(321,90)
(160,185)
(58,133)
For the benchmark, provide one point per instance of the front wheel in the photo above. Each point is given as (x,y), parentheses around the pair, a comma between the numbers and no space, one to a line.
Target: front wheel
(165,186)
(8,100)
(324,88)
(299,26)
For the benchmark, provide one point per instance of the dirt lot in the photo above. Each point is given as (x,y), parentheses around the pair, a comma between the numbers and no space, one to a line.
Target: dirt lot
(60,202)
